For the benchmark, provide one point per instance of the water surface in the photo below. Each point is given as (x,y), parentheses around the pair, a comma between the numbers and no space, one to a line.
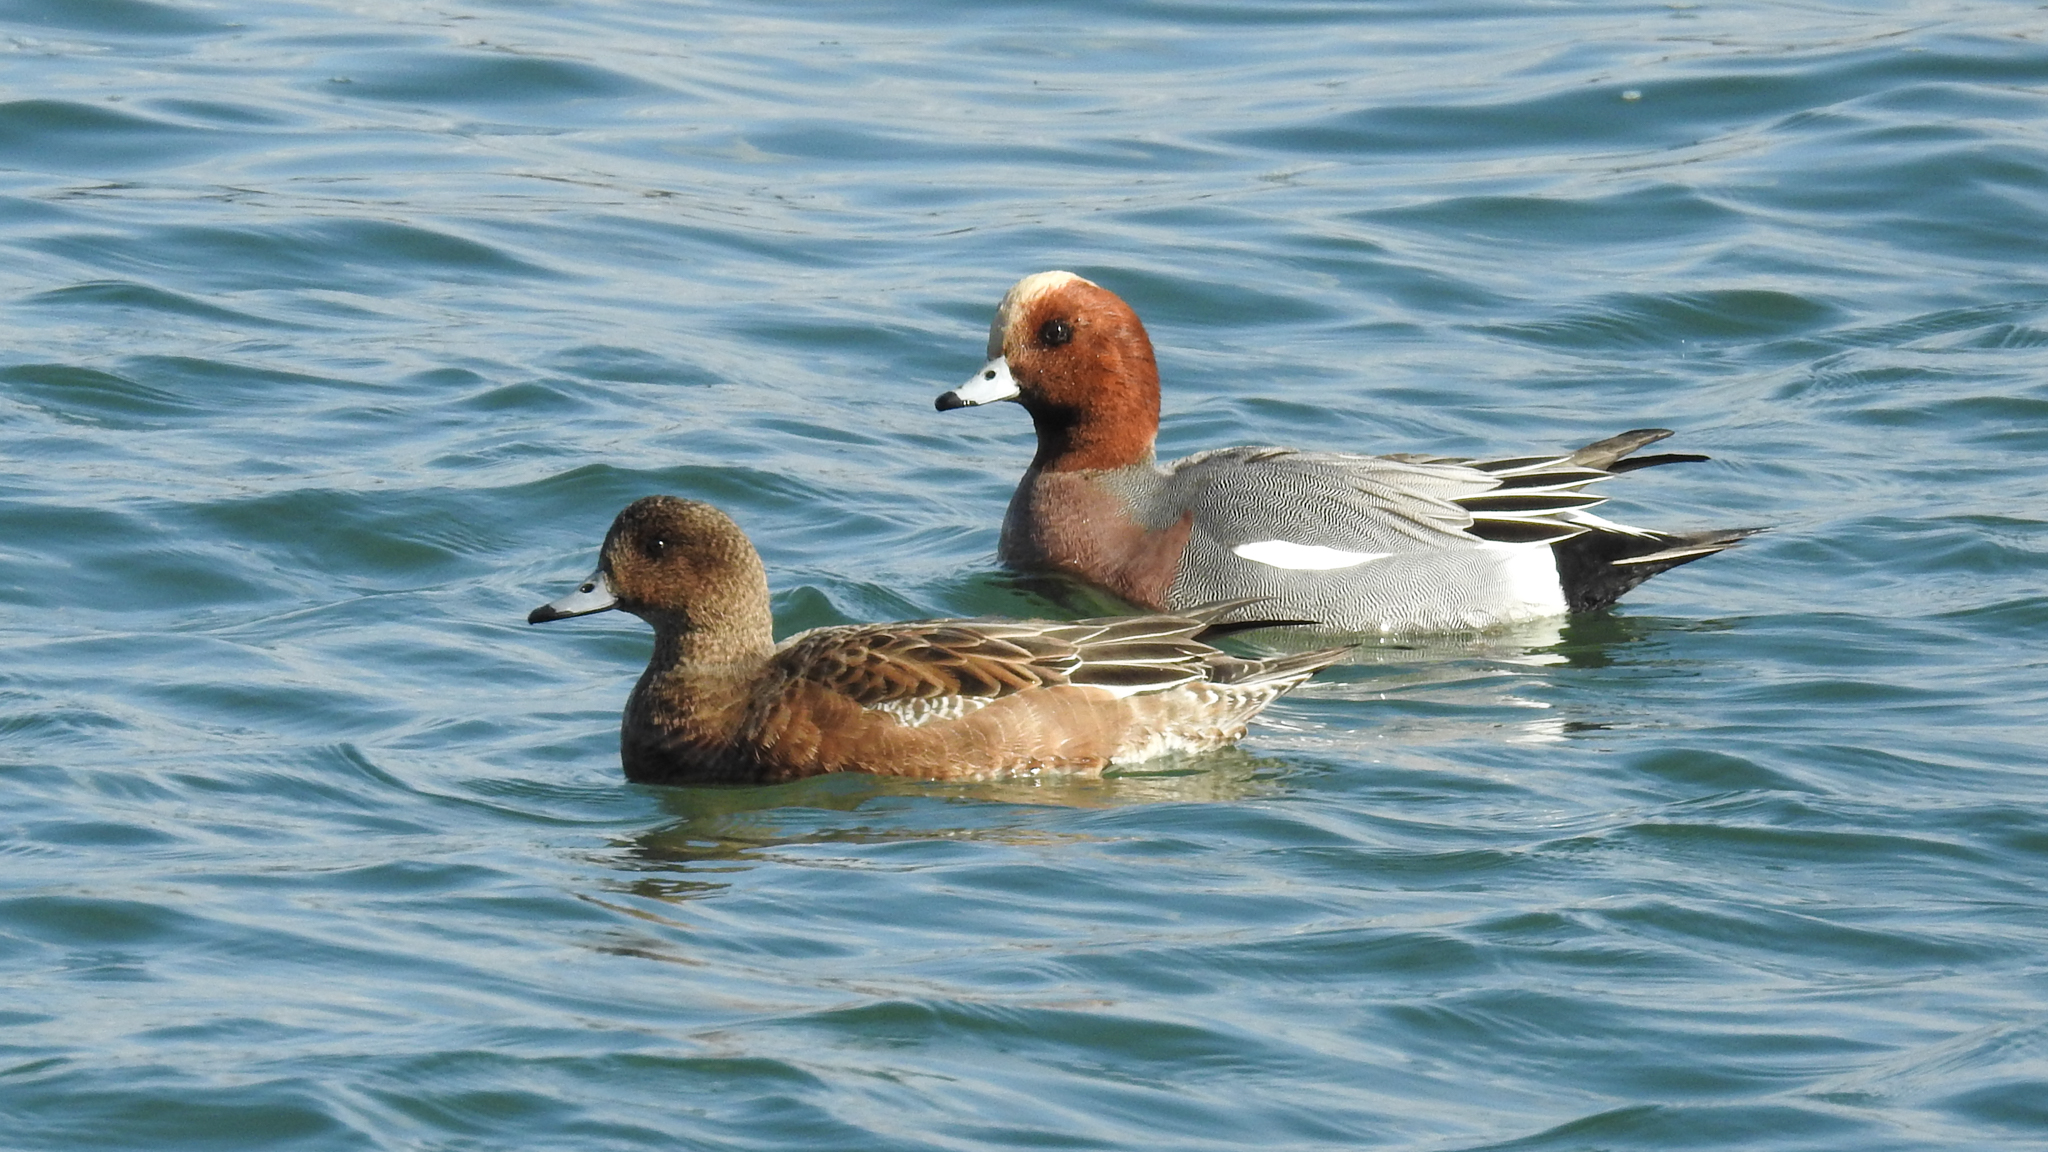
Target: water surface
(337,334)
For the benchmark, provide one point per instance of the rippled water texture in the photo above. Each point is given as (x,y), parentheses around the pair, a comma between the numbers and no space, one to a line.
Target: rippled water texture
(336,334)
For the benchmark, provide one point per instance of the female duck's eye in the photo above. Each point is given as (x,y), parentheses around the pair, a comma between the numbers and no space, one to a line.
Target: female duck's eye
(653,548)
(1054,333)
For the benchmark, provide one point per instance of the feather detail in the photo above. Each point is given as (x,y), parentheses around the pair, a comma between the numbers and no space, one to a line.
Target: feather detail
(924,671)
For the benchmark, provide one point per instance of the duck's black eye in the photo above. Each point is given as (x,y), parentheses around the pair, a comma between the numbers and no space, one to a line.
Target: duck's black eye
(653,546)
(1054,333)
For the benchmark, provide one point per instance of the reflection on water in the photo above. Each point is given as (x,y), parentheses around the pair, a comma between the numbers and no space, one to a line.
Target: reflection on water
(728,829)
(1437,691)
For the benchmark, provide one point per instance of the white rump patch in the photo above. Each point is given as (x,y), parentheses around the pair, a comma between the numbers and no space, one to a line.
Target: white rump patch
(1533,589)
(1304,557)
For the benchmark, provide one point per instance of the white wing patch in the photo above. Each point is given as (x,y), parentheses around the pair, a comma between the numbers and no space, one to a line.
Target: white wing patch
(918,712)
(1304,557)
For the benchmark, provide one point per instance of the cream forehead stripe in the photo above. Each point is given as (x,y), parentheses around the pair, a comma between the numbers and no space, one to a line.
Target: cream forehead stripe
(1019,299)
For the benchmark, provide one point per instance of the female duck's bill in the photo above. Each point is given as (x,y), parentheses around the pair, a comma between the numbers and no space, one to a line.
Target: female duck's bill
(721,702)
(593,595)
(1397,544)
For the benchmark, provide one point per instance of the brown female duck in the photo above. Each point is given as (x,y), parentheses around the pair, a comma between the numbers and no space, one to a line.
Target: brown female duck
(721,702)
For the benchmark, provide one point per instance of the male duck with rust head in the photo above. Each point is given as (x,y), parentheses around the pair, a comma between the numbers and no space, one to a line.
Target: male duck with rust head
(1405,543)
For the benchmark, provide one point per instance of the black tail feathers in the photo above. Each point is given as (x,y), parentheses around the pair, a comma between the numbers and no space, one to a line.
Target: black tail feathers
(1598,567)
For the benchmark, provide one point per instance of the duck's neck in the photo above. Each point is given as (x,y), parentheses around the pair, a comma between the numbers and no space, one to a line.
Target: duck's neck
(1099,438)
(692,700)
(745,638)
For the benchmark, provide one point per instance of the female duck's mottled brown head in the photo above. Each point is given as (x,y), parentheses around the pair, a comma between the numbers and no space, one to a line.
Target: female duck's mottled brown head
(687,569)
(1078,359)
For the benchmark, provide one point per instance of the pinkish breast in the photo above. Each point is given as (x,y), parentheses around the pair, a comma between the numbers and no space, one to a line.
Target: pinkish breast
(1069,522)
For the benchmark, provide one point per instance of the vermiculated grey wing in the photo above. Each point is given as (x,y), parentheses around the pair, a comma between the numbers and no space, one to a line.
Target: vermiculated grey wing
(1376,542)
(1332,499)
